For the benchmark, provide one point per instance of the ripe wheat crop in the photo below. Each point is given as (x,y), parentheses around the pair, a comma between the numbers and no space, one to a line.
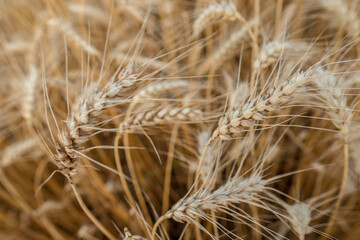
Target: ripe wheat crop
(179,119)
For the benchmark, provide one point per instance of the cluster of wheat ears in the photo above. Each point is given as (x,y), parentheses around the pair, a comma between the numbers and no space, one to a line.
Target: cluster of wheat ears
(179,119)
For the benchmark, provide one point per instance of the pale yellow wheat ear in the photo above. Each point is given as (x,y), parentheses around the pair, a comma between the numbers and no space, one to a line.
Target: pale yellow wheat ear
(339,14)
(129,236)
(273,51)
(235,190)
(223,11)
(255,110)
(333,94)
(84,118)
(82,122)
(239,95)
(153,90)
(332,91)
(65,28)
(153,64)
(300,217)
(219,12)
(32,79)
(227,49)
(91,11)
(50,206)
(162,116)
(86,231)
(241,120)
(30,89)
(13,153)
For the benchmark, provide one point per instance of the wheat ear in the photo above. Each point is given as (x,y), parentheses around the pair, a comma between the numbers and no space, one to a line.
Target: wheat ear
(13,152)
(332,93)
(235,190)
(224,11)
(85,117)
(340,16)
(256,110)
(65,28)
(129,236)
(89,10)
(30,87)
(226,50)
(162,116)
(151,63)
(242,119)
(300,217)
(272,51)
(87,231)
(156,88)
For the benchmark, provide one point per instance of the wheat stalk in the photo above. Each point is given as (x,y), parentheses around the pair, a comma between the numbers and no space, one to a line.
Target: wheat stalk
(208,167)
(148,117)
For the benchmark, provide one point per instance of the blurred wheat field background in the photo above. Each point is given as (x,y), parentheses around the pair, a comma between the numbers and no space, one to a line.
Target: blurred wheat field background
(172,119)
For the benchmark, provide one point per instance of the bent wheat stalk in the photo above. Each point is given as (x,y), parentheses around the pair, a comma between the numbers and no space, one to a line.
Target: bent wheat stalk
(91,216)
(159,116)
(156,116)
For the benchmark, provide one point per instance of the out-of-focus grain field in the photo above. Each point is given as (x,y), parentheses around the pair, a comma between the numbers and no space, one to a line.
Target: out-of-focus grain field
(172,119)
